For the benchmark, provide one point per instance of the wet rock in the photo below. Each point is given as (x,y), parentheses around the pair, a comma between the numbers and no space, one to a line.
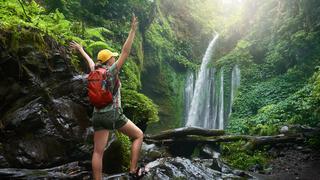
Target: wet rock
(35,152)
(73,118)
(209,152)
(306,150)
(182,168)
(239,173)
(151,152)
(27,118)
(256,168)
(40,130)
(74,170)
(284,129)
(42,134)
(3,160)
(299,147)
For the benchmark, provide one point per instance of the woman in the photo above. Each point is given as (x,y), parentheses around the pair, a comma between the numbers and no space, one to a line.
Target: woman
(111,116)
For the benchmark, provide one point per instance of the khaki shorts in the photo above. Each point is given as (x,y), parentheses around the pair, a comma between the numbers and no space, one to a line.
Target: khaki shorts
(109,120)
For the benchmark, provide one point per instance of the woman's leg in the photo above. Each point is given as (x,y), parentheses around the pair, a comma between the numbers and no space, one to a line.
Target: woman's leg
(131,130)
(100,141)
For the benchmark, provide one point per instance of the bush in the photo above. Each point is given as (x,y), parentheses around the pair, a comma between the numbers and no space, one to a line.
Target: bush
(138,107)
(236,156)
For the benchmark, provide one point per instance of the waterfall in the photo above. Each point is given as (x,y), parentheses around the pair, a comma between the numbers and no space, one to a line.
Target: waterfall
(235,83)
(188,94)
(221,104)
(200,107)
(204,98)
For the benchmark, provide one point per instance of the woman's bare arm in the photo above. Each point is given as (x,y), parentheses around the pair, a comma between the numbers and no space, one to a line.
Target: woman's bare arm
(127,45)
(75,45)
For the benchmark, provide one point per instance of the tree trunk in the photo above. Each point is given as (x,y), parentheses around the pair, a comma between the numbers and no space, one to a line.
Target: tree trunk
(182,132)
(212,136)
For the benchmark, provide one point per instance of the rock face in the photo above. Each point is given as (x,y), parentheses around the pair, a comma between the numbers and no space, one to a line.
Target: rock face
(44,114)
(44,109)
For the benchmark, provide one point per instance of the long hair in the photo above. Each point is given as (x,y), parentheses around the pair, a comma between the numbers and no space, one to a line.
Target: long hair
(99,64)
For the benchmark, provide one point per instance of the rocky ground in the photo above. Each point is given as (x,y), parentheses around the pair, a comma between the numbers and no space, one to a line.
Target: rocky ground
(293,162)
(287,162)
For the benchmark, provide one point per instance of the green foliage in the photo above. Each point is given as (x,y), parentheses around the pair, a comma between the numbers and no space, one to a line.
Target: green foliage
(316,85)
(125,150)
(54,24)
(239,55)
(160,38)
(254,96)
(166,87)
(116,157)
(277,51)
(65,21)
(314,142)
(130,76)
(238,125)
(96,33)
(235,155)
(110,14)
(196,152)
(95,46)
(299,108)
(96,40)
(138,107)
(137,49)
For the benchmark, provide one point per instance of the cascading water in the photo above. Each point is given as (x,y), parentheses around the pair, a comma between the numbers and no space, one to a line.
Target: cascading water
(204,98)
(188,94)
(221,103)
(200,104)
(235,83)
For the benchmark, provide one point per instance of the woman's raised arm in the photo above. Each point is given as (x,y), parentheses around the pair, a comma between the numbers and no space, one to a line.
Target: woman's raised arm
(127,45)
(75,45)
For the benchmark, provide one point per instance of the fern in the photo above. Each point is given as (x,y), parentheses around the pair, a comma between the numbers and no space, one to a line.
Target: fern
(94,46)
(96,33)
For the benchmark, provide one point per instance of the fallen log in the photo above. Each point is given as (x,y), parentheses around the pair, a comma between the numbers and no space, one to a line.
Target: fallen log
(255,141)
(195,135)
(260,141)
(185,131)
(197,139)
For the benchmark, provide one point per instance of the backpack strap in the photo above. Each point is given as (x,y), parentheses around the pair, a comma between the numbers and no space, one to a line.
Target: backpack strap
(103,71)
(116,84)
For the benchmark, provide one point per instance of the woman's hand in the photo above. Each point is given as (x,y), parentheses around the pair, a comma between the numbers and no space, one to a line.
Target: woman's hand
(134,22)
(75,46)
(126,48)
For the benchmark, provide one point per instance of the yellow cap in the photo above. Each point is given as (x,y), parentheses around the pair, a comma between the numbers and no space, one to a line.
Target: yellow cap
(104,55)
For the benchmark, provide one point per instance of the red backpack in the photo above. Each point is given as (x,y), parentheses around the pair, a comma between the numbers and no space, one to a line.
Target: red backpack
(98,96)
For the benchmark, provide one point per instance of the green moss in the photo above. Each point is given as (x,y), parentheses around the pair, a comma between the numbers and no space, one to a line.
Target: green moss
(196,152)
(138,50)
(138,107)
(161,40)
(165,86)
(314,142)
(117,157)
(174,83)
(125,150)
(130,75)
(235,155)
